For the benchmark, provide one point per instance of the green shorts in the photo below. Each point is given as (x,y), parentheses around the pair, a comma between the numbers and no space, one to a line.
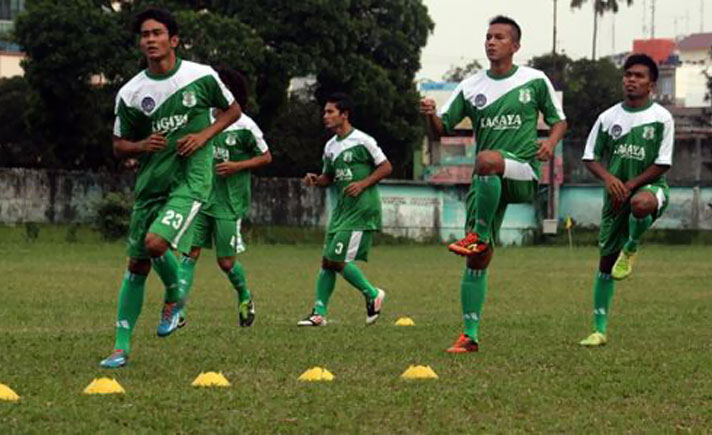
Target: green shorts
(519,184)
(171,220)
(614,224)
(346,246)
(224,233)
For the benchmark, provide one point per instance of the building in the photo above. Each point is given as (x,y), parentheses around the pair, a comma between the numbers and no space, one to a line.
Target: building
(10,54)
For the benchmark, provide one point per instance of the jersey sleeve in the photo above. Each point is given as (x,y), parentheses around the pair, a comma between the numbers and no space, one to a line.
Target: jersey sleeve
(596,142)
(327,166)
(375,151)
(666,147)
(218,94)
(454,110)
(260,145)
(126,119)
(549,104)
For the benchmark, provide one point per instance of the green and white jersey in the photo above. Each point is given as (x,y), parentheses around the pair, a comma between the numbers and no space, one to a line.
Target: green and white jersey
(504,110)
(243,140)
(632,139)
(175,104)
(348,159)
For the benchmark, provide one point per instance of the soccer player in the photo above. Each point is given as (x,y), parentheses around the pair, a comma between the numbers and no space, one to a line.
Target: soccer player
(354,164)
(239,149)
(503,104)
(636,137)
(163,120)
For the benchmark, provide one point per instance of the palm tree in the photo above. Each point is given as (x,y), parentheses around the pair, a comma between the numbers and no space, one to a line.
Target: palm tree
(599,8)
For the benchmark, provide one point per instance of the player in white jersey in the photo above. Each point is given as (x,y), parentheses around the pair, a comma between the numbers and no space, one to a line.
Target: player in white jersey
(636,138)
(503,104)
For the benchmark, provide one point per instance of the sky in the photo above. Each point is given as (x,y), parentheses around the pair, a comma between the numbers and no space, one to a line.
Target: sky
(460,27)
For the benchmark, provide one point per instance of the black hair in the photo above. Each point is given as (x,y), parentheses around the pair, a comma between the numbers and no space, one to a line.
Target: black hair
(342,102)
(236,83)
(643,59)
(161,15)
(516,30)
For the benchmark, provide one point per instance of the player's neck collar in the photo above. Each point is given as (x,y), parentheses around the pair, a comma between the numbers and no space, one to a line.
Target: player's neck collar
(628,108)
(506,75)
(347,134)
(168,74)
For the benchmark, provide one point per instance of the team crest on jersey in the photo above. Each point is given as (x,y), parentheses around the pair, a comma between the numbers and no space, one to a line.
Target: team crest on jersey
(616,131)
(231,139)
(480,101)
(189,99)
(148,104)
(648,132)
(525,95)
(348,156)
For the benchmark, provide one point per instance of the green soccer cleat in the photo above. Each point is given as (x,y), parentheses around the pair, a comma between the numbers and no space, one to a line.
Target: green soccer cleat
(594,340)
(246,313)
(624,265)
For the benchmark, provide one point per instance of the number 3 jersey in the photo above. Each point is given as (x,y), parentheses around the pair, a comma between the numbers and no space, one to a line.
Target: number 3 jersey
(632,139)
(349,159)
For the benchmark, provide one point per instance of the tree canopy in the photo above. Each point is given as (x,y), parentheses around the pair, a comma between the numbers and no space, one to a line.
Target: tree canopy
(79,53)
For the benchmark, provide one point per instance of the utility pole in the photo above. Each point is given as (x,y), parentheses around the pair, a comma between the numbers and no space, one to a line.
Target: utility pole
(553,50)
(652,19)
(645,15)
(702,16)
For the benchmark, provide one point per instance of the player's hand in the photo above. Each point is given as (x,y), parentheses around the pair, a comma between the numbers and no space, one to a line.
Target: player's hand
(354,189)
(225,169)
(190,143)
(427,106)
(154,143)
(546,150)
(617,191)
(310,179)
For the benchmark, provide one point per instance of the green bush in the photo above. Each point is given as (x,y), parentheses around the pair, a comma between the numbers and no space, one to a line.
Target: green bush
(112,217)
(32,231)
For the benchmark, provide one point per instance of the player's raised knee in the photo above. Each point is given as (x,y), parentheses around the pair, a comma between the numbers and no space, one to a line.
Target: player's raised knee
(643,204)
(226,264)
(489,162)
(336,266)
(155,245)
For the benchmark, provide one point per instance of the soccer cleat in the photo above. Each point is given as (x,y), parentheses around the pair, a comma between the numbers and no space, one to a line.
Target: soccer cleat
(118,358)
(593,340)
(170,317)
(246,313)
(463,344)
(469,245)
(313,319)
(624,265)
(373,307)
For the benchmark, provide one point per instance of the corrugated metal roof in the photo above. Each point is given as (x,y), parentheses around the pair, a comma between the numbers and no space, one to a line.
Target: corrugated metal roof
(696,41)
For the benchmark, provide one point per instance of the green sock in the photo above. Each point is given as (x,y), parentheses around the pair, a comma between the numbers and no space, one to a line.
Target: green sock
(603,288)
(324,288)
(487,194)
(473,289)
(186,271)
(356,278)
(636,228)
(130,303)
(166,266)
(236,275)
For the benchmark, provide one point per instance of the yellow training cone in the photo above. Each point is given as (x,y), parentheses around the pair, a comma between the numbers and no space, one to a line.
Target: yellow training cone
(317,374)
(419,372)
(210,379)
(6,393)
(104,386)
(405,321)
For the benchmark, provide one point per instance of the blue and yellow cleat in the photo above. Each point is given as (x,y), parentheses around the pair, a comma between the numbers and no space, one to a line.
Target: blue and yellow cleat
(594,340)
(170,317)
(117,359)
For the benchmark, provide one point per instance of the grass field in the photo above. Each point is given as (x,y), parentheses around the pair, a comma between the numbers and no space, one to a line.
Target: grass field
(57,310)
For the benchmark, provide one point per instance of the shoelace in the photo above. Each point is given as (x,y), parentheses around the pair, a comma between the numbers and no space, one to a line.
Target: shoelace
(167,311)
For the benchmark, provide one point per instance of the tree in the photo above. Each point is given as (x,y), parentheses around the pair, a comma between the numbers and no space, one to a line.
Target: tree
(15,147)
(599,8)
(459,73)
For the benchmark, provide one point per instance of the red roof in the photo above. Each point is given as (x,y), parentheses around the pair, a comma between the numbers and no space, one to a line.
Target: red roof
(696,41)
(659,49)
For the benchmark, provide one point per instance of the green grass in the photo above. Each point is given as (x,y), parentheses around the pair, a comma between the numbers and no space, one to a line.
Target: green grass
(58,302)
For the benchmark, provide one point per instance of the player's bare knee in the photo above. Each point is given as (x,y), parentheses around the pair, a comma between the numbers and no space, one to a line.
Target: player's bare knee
(139,266)
(643,204)
(480,261)
(226,263)
(489,162)
(336,266)
(194,252)
(155,245)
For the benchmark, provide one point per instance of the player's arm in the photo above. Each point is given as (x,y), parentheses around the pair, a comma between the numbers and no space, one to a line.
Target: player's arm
(226,169)
(452,113)
(434,123)
(548,145)
(124,148)
(383,170)
(595,145)
(554,116)
(652,173)
(318,180)
(188,144)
